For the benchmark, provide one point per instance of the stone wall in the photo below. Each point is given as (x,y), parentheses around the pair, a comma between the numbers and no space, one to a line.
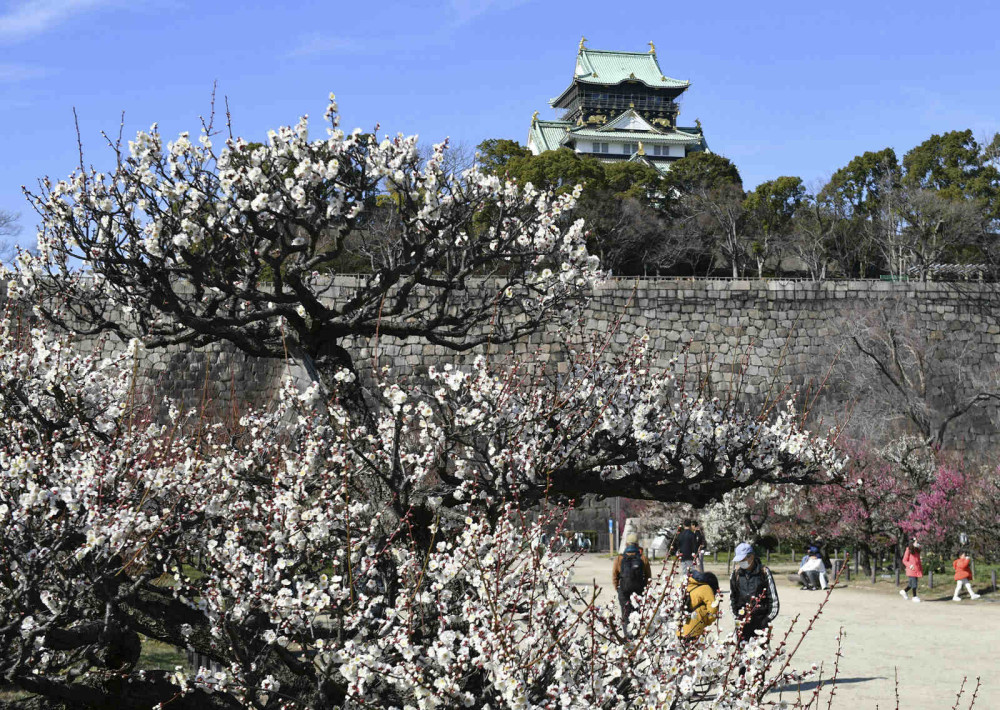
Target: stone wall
(787,332)
(781,332)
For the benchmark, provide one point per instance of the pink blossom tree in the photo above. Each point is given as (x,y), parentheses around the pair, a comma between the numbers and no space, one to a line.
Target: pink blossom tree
(938,511)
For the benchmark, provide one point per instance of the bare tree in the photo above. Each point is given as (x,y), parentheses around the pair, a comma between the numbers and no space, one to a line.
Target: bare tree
(460,157)
(937,227)
(640,239)
(885,227)
(8,228)
(718,214)
(927,381)
(813,232)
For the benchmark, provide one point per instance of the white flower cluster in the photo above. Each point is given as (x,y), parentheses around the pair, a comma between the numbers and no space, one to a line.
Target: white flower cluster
(182,209)
(651,425)
(327,559)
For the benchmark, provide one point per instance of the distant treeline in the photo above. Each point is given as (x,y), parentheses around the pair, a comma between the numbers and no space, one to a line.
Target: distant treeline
(877,216)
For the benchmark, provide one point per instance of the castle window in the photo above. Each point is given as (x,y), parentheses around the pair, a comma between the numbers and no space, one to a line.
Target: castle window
(600,147)
(629,148)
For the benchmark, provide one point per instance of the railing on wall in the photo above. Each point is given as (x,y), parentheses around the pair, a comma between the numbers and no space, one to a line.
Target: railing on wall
(790,279)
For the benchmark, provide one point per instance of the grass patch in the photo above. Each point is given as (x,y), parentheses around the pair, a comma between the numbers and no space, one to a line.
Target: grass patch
(159,656)
(155,656)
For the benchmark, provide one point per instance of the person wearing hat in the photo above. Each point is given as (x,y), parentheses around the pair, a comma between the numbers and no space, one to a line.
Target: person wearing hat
(812,573)
(753,596)
(630,574)
(817,541)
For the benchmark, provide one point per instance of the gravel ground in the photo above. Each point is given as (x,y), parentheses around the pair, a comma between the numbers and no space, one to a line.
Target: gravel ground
(933,645)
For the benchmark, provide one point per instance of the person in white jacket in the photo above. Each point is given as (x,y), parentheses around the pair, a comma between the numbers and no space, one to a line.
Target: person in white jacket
(812,571)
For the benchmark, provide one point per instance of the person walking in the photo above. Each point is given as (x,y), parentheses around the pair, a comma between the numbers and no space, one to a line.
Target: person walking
(702,598)
(685,546)
(914,570)
(963,576)
(702,544)
(630,575)
(753,596)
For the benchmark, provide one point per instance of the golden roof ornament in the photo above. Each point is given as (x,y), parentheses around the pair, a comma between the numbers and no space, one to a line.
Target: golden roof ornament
(641,151)
(652,47)
(582,40)
(534,118)
(631,75)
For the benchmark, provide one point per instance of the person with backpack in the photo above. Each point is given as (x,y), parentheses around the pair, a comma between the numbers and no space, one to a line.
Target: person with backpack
(702,603)
(630,574)
(753,596)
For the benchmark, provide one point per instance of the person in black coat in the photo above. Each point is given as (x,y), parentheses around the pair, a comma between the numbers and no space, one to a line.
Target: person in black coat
(702,544)
(686,546)
(753,596)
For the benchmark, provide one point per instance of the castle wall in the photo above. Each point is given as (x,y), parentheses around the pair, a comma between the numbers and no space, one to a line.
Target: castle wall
(785,332)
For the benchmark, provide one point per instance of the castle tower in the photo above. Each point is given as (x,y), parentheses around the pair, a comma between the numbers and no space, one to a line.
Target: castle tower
(619,106)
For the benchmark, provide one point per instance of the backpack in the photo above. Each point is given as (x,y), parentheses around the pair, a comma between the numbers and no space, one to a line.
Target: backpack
(633,576)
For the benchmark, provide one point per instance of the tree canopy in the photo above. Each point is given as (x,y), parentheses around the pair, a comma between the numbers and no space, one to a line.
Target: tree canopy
(496,153)
(703,171)
(956,166)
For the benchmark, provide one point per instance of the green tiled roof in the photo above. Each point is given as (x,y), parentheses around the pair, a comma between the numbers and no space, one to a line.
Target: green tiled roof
(548,134)
(695,130)
(598,66)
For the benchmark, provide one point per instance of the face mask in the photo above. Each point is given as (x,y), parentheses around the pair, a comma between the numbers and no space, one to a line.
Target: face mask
(745,564)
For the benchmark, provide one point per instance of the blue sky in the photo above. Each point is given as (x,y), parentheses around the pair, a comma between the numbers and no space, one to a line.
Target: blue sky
(782,88)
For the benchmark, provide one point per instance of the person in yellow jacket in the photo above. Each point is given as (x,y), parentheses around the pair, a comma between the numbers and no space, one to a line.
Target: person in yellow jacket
(702,591)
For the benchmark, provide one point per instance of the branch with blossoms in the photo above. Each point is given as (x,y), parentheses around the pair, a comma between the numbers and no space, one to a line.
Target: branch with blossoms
(613,426)
(184,243)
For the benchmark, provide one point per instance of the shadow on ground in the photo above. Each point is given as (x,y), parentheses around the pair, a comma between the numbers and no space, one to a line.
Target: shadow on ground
(825,682)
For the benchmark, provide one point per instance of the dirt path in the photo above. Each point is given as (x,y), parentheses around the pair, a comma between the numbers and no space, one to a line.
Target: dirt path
(933,644)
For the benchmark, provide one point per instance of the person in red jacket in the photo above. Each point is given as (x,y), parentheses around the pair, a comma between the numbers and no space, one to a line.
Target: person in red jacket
(963,576)
(914,570)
